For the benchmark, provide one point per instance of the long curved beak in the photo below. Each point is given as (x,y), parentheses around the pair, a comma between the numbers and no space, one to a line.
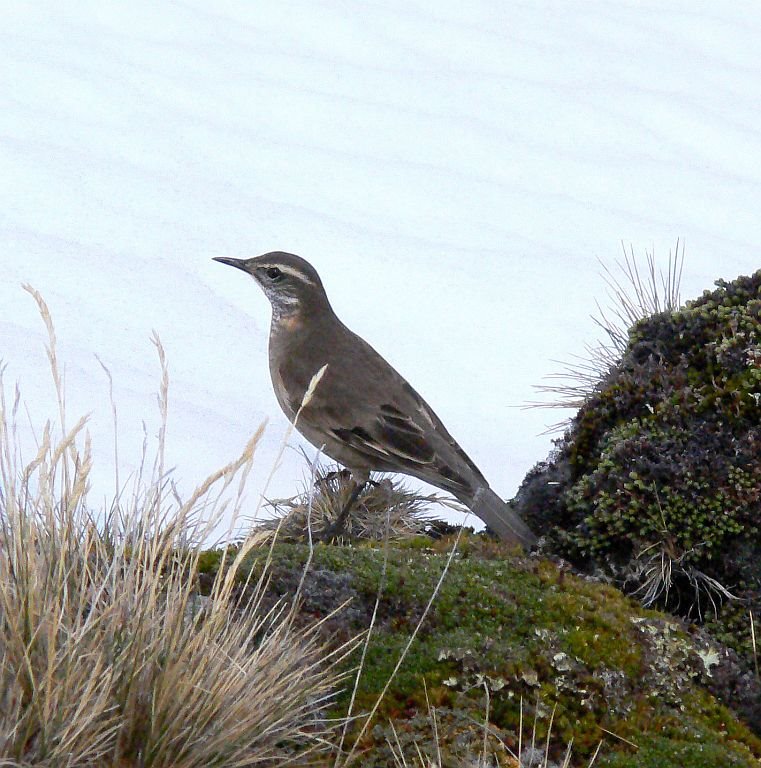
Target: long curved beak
(239,263)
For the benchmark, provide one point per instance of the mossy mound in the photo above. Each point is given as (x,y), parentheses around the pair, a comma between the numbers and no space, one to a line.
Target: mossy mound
(507,634)
(657,483)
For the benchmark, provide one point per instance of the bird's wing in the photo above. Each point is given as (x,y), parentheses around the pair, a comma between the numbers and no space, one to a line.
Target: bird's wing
(408,439)
(363,404)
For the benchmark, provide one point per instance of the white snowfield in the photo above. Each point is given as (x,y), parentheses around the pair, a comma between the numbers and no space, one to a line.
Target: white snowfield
(453,171)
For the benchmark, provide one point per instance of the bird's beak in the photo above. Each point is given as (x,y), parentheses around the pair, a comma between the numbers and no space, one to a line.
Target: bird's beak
(239,263)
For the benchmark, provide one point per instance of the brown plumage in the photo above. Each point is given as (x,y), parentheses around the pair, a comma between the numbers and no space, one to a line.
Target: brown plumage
(362,413)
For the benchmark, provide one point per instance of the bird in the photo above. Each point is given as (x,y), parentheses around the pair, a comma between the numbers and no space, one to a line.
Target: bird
(360,411)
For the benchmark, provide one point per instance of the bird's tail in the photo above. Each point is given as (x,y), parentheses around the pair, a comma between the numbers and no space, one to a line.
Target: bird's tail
(486,505)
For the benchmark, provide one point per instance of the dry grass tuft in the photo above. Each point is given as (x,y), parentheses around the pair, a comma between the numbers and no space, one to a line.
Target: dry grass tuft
(108,655)
(384,508)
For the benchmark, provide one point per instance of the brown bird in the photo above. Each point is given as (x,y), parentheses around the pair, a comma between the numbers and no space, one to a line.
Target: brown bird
(361,412)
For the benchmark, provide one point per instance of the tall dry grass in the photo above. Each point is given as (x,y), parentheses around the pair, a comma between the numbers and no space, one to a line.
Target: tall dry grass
(109,656)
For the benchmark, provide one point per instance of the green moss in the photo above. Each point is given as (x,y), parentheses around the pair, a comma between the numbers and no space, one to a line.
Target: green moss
(668,752)
(524,631)
(708,736)
(209,560)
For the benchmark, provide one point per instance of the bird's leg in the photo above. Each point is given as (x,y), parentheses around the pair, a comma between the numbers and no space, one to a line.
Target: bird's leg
(336,529)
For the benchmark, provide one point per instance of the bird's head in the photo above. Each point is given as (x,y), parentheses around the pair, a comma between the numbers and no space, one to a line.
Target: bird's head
(289,282)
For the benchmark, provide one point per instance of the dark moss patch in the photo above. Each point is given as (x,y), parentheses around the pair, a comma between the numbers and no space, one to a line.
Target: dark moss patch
(657,483)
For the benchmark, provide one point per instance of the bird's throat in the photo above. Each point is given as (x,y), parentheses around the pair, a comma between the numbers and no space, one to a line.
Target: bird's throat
(291,322)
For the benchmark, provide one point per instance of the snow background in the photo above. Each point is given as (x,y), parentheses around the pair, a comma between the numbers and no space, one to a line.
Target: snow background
(453,171)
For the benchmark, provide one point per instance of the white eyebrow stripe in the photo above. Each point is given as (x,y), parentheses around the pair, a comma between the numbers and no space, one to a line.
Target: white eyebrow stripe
(292,271)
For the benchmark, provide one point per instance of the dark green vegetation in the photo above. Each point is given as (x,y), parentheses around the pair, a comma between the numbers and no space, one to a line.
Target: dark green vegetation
(657,482)
(517,629)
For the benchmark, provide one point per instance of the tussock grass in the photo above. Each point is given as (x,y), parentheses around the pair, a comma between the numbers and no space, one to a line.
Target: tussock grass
(108,654)
(386,508)
(635,292)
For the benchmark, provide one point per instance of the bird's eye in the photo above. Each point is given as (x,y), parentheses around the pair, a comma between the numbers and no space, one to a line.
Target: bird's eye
(273,273)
